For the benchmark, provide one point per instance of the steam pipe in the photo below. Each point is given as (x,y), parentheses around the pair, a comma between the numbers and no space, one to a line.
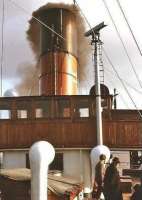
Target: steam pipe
(41,155)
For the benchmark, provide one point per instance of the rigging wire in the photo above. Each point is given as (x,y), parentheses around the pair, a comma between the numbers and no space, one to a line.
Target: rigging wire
(110,60)
(2,47)
(132,87)
(123,100)
(43,24)
(85,18)
(65,39)
(82,13)
(132,66)
(38,20)
(128,24)
(122,82)
(120,95)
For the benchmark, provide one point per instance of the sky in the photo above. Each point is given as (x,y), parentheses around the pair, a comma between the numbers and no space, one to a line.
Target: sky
(18,54)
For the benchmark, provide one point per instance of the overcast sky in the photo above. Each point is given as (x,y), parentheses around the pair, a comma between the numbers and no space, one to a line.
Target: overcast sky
(17,51)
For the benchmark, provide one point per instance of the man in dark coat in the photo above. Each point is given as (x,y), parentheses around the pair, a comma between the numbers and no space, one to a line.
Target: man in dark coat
(112,189)
(99,175)
(137,194)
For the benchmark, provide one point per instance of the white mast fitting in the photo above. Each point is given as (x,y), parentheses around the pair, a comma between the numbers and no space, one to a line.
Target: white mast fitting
(94,32)
(41,155)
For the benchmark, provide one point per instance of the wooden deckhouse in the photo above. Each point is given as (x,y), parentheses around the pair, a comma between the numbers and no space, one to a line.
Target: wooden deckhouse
(66,122)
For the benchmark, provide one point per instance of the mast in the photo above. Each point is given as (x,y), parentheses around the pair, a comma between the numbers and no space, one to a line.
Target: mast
(95,33)
(98,91)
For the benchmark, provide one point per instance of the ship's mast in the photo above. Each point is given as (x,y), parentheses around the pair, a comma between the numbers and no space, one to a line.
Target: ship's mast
(95,33)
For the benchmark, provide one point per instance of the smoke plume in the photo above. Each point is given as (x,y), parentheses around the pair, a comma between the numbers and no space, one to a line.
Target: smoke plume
(29,80)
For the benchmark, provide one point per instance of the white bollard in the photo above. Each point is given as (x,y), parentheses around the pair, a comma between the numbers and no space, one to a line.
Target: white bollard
(41,155)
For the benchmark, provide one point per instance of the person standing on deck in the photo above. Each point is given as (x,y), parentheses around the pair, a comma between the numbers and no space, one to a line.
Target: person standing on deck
(112,188)
(99,175)
(137,194)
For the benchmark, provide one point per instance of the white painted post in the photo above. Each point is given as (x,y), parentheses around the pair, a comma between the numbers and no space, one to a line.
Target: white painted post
(41,155)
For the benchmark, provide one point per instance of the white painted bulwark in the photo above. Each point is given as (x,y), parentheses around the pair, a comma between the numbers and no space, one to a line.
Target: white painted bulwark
(14,159)
(72,164)
(41,155)
(77,165)
(86,165)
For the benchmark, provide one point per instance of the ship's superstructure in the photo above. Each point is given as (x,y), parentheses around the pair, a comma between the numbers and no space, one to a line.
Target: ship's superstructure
(58,114)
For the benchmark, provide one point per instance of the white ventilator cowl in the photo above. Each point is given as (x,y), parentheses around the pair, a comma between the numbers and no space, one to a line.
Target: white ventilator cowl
(95,154)
(41,155)
(97,151)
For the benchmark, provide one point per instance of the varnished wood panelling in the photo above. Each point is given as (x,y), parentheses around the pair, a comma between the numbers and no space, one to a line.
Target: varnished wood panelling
(60,134)
(20,134)
(122,133)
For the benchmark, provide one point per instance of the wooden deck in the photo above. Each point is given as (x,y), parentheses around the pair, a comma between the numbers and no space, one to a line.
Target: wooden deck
(126,196)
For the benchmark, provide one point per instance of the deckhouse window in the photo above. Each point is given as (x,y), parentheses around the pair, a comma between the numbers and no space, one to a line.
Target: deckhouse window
(39,112)
(81,108)
(62,108)
(135,159)
(23,109)
(5,114)
(84,112)
(22,114)
(5,110)
(57,163)
(43,109)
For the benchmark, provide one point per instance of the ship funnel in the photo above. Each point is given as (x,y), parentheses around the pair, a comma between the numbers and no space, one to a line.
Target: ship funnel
(58,52)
